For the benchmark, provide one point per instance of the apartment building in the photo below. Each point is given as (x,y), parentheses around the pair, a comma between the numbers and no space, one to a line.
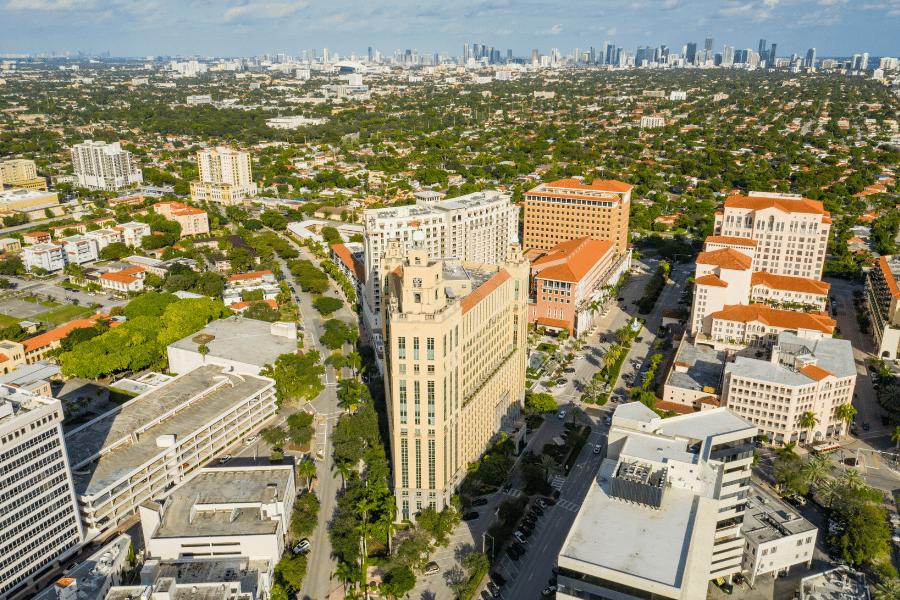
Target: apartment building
(10,245)
(782,291)
(349,259)
(124,281)
(37,347)
(49,256)
(567,209)
(776,537)
(105,237)
(223,511)
(759,325)
(39,524)
(20,173)
(133,233)
(455,349)
(193,221)
(225,177)
(568,279)
(150,444)
(883,305)
(102,166)
(476,227)
(234,578)
(803,375)
(791,231)
(37,237)
(663,518)
(79,249)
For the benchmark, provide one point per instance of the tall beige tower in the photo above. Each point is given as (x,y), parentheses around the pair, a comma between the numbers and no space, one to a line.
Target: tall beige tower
(226,176)
(455,350)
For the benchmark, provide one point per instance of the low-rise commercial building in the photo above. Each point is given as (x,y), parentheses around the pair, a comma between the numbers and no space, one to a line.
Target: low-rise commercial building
(32,203)
(843,583)
(244,345)
(663,517)
(695,380)
(235,578)
(759,325)
(38,513)
(36,347)
(12,355)
(803,376)
(34,378)
(92,579)
(124,281)
(150,444)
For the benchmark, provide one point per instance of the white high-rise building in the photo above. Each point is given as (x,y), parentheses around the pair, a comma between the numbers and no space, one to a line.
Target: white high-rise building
(664,516)
(477,228)
(39,522)
(102,166)
(225,176)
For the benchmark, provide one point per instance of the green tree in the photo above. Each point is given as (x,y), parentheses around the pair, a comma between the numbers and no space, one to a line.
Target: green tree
(262,311)
(327,305)
(305,516)
(439,524)
(550,467)
(338,332)
(203,349)
(297,376)
(354,361)
(808,421)
(846,413)
(865,535)
(291,570)
(398,582)
(274,436)
(347,573)
(307,469)
(888,589)
(540,403)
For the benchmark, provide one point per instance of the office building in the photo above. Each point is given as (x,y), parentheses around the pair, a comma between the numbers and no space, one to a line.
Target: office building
(20,173)
(691,52)
(803,375)
(92,579)
(31,202)
(568,209)
(102,166)
(759,325)
(810,58)
(791,232)
(455,349)
(569,279)
(223,511)
(225,177)
(777,538)
(193,221)
(243,345)
(841,582)
(728,56)
(234,578)
(38,514)
(709,44)
(142,449)
(663,518)
(476,227)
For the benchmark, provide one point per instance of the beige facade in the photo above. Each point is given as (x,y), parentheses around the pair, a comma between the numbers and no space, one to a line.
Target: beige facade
(225,177)
(455,349)
(20,173)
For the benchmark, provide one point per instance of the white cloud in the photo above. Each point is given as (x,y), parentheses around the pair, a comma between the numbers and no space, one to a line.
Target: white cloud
(612,31)
(503,32)
(263,10)
(52,5)
(555,30)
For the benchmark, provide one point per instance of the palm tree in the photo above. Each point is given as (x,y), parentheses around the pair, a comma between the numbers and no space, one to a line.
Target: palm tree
(307,469)
(203,349)
(889,589)
(845,412)
(830,490)
(890,397)
(577,415)
(344,468)
(787,453)
(385,524)
(817,469)
(365,528)
(346,573)
(549,466)
(808,421)
(354,361)
(895,437)
(852,479)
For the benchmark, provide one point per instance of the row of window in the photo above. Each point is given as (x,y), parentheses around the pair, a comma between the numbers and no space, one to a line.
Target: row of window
(11,492)
(41,503)
(26,444)
(35,542)
(64,542)
(38,516)
(30,468)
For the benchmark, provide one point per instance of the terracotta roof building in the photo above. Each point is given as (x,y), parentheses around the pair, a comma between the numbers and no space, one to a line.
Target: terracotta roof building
(569,209)
(759,325)
(883,305)
(37,346)
(783,291)
(569,278)
(348,258)
(193,221)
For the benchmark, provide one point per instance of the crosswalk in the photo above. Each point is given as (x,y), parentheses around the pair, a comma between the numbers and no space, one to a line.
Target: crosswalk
(572,506)
(558,482)
(512,492)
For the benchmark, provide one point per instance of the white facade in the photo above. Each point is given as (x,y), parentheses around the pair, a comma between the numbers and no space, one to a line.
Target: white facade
(664,515)
(80,249)
(104,237)
(652,121)
(678,95)
(151,443)
(48,256)
(133,233)
(477,227)
(39,521)
(224,165)
(102,166)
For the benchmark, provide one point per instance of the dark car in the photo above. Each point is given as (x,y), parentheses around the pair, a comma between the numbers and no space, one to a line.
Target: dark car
(512,554)
(495,591)
(507,487)
(470,516)
(570,370)
(561,381)
(537,510)
(865,426)
(530,519)
(518,547)
(640,339)
(621,299)
(498,579)
(479,502)
(485,595)
(525,530)
(528,431)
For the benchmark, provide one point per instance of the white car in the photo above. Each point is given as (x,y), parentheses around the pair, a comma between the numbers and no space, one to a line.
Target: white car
(251,440)
(562,414)
(224,459)
(302,546)
(597,449)
(579,357)
(520,537)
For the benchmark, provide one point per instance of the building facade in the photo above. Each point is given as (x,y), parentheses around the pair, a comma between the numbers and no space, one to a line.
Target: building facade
(477,227)
(193,221)
(102,166)
(567,209)
(791,231)
(455,349)
(759,325)
(663,519)
(225,177)
(883,304)
(20,173)
(39,522)
(49,256)
(133,233)
(569,279)
(31,202)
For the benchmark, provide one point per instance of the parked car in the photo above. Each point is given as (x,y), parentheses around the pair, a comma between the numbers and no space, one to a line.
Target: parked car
(302,546)
(621,300)
(537,510)
(562,414)
(518,547)
(470,516)
(224,459)
(865,426)
(550,590)
(498,579)
(432,568)
(540,502)
(579,357)
(608,421)
(492,587)
(485,595)
(251,440)
(519,536)
(569,370)
(530,518)
(525,530)
(479,502)
(597,449)
(528,431)
(512,554)
(562,381)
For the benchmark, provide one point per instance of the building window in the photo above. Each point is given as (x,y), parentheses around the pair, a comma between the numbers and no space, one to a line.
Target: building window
(429,348)
(431,459)
(431,403)
(403,401)
(415,348)
(404,463)
(416,400)
(418,463)
(401,348)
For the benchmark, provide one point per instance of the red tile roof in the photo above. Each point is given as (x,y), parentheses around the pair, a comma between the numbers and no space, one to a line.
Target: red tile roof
(788,205)
(784,319)
(482,292)
(580,256)
(726,258)
(242,305)
(730,240)
(711,280)
(888,277)
(45,339)
(350,261)
(250,275)
(817,373)
(548,322)
(598,185)
(791,284)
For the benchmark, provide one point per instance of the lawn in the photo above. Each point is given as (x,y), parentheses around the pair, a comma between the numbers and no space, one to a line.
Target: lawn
(548,348)
(64,314)
(50,304)
(31,299)
(6,320)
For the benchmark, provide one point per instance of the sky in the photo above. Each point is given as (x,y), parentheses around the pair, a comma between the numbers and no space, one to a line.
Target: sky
(256,27)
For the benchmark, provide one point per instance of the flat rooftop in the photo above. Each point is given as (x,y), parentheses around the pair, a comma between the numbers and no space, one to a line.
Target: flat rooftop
(632,538)
(833,355)
(704,367)
(190,513)
(15,403)
(93,573)
(189,572)
(704,425)
(242,340)
(842,583)
(762,370)
(769,519)
(116,427)
(459,271)
(472,200)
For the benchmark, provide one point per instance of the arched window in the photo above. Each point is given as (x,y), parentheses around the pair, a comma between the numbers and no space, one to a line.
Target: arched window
(417,298)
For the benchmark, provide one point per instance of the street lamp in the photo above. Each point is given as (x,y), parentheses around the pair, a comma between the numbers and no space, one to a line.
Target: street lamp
(492,543)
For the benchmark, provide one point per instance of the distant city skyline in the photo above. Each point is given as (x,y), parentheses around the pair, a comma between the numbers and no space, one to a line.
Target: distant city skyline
(248,28)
